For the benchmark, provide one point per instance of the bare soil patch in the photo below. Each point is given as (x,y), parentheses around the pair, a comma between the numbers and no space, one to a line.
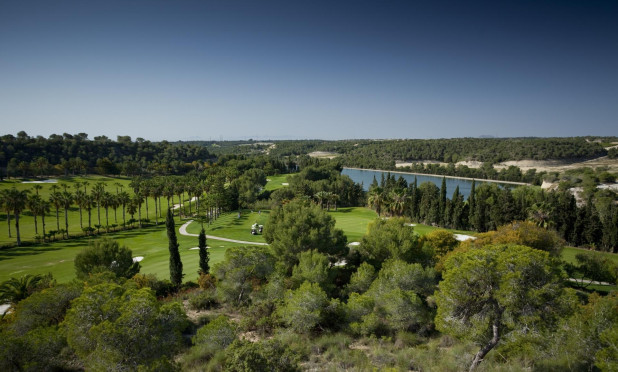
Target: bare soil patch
(525,165)
(323,154)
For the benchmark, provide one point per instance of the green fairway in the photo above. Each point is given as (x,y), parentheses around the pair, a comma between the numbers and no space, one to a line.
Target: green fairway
(276,182)
(229,226)
(569,253)
(150,243)
(353,221)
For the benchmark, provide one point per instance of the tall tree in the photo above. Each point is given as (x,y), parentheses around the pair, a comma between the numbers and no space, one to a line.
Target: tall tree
(55,198)
(15,201)
(66,199)
(490,293)
(81,198)
(472,202)
(31,203)
(175,263)
(97,194)
(442,220)
(204,256)
(376,199)
(107,201)
(124,199)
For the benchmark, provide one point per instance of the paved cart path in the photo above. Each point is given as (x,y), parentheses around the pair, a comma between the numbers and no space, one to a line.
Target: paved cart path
(183,231)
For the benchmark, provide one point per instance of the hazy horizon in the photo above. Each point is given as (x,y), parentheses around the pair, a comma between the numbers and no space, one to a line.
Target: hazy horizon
(234,70)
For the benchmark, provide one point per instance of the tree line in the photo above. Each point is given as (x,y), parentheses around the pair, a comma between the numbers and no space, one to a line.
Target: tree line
(66,154)
(592,224)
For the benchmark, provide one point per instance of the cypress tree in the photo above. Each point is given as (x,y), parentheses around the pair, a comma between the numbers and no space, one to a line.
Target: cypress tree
(204,257)
(374,183)
(442,206)
(471,203)
(454,217)
(175,263)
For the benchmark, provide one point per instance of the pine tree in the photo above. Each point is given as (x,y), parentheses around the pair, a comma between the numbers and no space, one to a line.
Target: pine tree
(175,263)
(204,256)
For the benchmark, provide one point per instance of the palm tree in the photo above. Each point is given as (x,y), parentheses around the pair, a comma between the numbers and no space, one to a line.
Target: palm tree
(81,200)
(31,203)
(168,191)
(124,199)
(332,198)
(66,198)
(146,193)
(3,197)
(42,208)
(15,200)
(16,289)
(198,190)
(179,188)
(321,196)
(156,190)
(399,201)
(106,202)
(97,195)
(115,204)
(37,188)
(138,200)
(55,198)
(131,209)
(88,204)
(376,199)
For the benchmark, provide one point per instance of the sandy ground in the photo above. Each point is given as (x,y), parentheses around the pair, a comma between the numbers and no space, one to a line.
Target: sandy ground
(463,238)
(44,181)
(4,308)
(323,154)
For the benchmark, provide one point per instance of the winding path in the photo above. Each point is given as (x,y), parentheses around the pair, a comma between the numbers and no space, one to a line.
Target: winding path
(183,231)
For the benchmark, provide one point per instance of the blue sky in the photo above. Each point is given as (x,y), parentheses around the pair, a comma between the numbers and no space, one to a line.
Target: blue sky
(312,69)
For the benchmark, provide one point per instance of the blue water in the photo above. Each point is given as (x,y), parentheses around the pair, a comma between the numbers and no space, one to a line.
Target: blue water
(366,178)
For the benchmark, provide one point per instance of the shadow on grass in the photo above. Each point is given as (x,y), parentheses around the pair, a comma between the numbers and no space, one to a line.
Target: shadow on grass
(82,241)
(342,210)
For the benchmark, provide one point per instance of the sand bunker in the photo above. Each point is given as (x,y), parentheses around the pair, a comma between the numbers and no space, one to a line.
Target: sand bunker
(44,181)
(463,238)
(354,244)
(138,259)
(196,248)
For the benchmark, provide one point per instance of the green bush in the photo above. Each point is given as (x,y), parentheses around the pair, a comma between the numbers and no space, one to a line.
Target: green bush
(217,334)
(105,255)
(245,356)
(203,300)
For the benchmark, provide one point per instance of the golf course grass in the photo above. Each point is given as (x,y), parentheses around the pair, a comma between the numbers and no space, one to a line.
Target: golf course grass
(276,182)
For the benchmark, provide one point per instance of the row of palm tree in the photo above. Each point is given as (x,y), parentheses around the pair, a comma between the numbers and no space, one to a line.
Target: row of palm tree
(14,202)
(328,197)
